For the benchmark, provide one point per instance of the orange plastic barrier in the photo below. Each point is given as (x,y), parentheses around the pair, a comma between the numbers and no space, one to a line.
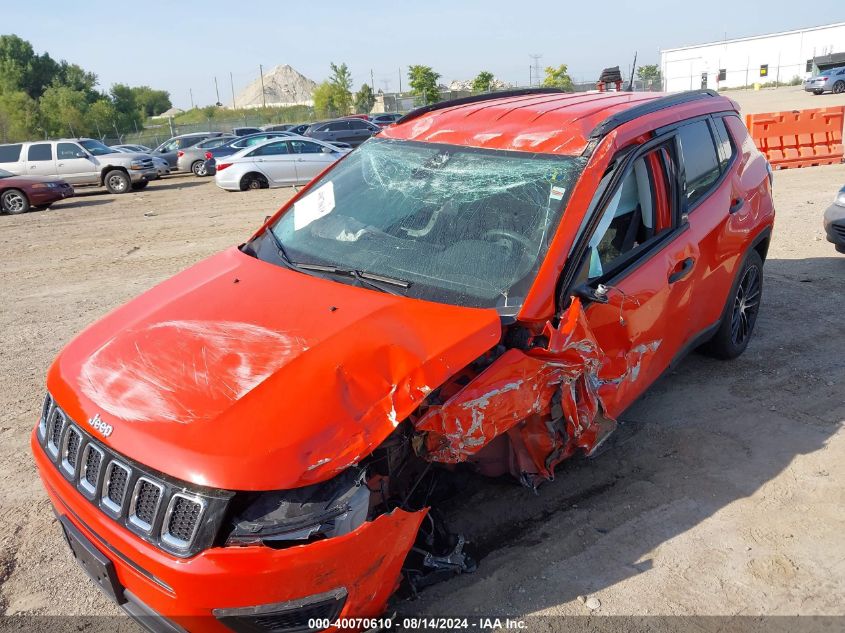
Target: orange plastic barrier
(799,138)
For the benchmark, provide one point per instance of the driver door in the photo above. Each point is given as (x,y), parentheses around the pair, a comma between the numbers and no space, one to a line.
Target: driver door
(643,256)
(74,164)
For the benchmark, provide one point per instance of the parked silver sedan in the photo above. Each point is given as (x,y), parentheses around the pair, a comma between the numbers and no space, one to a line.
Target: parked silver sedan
(193,158)
(830,80)
(276,163)
(161,165)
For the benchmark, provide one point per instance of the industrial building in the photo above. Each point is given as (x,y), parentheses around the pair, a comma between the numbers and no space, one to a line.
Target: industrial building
(760,59)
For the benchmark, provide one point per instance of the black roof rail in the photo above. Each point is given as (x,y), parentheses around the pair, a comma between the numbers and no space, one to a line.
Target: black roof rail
(413,114)
(614,121)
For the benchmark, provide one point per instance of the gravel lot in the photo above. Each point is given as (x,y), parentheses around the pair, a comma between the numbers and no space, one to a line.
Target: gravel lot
(721,494)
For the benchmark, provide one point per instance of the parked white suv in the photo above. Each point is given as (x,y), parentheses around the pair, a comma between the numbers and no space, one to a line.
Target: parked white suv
(82,161)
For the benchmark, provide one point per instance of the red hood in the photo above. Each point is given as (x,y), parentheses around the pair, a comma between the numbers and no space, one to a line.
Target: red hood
(244,375)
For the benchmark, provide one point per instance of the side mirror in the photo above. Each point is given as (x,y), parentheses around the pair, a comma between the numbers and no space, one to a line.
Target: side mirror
(582,287)
(327,150)
(81,155)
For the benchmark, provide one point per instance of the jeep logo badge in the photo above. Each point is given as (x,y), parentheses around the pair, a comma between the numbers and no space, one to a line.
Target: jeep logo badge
(101,427)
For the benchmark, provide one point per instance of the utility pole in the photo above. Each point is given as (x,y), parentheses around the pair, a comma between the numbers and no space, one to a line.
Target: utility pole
(530,68)
(536,57)
(217,90)
(263,94)
(400,80)
(372,81)
(232,84)
(191,92)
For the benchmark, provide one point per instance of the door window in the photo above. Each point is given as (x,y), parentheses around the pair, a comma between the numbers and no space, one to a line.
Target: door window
(337,126)
(40,152)
(170,146)
(701,163)
(636,214)
(271,149)
(66,151)
(306,147)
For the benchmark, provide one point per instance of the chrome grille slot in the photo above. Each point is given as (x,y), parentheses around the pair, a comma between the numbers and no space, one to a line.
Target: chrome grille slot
(182,520)
(89,476)
(55,427)
(114,486)
(70,450)
(146,498)
(45,415)
(168,513)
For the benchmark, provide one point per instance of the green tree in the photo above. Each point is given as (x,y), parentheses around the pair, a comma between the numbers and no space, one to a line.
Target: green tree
(323,103)
(152,102)
(63,111)
(22,69)
(341,83)
(557,78)
(424,83)
(364,99)
(650,75)
(128,114)
(483,82)
(18,116)
(101,117)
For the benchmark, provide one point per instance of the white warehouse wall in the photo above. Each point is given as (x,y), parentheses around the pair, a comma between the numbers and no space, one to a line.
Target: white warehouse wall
(786,54)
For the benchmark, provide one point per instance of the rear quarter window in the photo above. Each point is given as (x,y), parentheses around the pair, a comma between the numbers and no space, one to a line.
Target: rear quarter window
(10,153)
(701,163)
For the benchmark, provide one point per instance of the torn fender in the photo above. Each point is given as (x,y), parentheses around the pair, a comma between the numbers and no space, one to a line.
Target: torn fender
(548,400)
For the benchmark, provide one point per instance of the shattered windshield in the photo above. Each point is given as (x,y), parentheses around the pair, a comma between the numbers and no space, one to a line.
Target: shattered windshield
(461,225)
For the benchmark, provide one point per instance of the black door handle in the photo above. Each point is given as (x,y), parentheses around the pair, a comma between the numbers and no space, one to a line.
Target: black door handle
(683,271)
(736,205)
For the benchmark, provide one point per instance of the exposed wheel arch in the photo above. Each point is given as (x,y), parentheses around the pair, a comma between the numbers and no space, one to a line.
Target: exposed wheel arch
(254,180)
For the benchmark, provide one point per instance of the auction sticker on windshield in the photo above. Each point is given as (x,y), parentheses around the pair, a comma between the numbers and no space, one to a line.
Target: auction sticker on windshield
(314,206)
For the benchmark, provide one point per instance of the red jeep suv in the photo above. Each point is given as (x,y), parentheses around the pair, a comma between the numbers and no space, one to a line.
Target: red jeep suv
(260,442)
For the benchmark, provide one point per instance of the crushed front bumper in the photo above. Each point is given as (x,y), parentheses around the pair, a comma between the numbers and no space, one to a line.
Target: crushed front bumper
(166,593)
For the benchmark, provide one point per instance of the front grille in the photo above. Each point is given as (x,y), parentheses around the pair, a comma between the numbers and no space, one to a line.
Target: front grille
(170,514)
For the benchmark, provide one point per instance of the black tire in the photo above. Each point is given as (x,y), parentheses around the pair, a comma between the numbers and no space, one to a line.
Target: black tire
(198,167)
(141,184)
(741,310)
(117,181)
(818,92)
(839,87)
(43,207)
(14,201)
(253,181)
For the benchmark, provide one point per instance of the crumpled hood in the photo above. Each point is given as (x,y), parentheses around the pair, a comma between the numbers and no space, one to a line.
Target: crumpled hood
(244,375)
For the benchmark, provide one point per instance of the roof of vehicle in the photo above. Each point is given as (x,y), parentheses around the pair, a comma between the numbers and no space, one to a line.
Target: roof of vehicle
(533,121)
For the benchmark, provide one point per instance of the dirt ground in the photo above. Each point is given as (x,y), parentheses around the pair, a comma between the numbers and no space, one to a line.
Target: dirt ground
(721,494)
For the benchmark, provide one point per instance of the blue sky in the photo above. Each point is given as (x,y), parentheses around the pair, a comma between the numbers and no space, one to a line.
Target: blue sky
(180,45)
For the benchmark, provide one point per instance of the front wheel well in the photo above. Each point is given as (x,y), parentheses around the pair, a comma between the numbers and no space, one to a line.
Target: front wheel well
(106,170)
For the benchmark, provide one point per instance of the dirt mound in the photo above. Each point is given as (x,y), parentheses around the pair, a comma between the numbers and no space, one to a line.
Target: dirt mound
(283,86)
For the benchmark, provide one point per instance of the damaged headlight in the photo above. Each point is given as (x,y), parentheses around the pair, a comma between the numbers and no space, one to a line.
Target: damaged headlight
(327,509)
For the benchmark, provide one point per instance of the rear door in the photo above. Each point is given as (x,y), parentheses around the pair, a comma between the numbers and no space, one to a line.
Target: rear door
(641,252)
(710,197)
(40,160)
(311,159)
(276,162)
(73,163)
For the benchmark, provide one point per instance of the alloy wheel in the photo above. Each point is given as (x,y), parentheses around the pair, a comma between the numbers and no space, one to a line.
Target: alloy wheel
(839,87)
(14,202)
(746,306)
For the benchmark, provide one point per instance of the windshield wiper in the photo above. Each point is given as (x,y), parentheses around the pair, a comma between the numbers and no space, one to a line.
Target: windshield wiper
(372,280)
(281,248)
